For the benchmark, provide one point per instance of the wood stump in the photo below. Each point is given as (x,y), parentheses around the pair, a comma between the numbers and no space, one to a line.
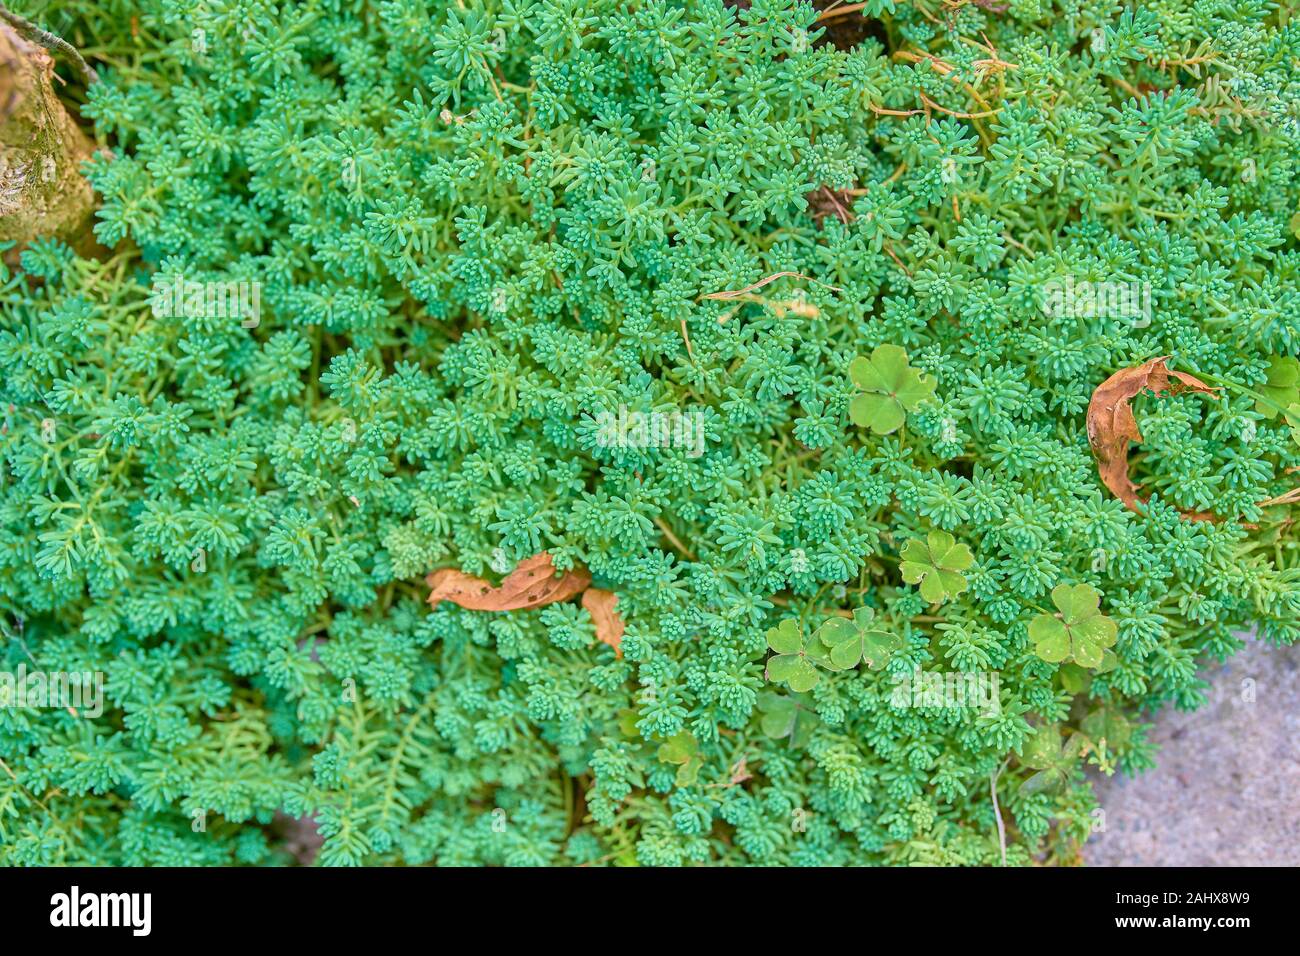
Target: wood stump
(42,191)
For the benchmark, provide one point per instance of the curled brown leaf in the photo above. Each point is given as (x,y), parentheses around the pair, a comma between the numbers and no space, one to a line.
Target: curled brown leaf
(532,584)
(1111,425)
(609,625)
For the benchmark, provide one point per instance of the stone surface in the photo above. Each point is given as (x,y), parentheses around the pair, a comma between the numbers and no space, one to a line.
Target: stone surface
(1226,787)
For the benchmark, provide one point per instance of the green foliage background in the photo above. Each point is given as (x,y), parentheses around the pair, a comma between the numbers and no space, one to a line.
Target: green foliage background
(478,225)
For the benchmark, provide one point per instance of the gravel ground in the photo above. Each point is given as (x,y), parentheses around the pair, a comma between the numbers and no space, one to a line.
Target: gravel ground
(1223,792)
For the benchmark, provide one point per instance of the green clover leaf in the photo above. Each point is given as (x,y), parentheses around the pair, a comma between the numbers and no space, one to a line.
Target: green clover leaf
(684,750)
(1109,725)
(793,664)
(1293,421)
(786,715)
(1080,632)
(1108,662)
(1074,679)
(1043,752)
(852,641)
(893,388)
(1282,387)
(936,565)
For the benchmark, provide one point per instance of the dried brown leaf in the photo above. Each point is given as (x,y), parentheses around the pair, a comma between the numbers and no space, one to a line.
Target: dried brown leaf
(1111,425)
(609,625)
(532,584)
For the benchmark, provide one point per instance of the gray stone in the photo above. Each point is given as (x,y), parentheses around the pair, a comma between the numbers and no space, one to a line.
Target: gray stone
(1224,790)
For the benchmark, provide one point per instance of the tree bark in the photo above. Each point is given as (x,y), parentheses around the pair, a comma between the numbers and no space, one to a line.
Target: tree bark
(42,191)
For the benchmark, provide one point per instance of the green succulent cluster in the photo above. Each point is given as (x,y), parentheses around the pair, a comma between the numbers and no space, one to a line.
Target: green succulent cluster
(480,226)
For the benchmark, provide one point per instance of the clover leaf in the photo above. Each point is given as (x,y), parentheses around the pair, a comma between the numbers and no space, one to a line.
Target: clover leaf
(786,715)
(1282,387)
(793,664)
(1109,725)
(1079,632)
(684,750)
(893,388)
(936,565)
(1043,752)
(851,641)
(1074,679)
(1293,421)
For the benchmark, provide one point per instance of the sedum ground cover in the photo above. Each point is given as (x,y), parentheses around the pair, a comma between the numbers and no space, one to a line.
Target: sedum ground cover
(881,256)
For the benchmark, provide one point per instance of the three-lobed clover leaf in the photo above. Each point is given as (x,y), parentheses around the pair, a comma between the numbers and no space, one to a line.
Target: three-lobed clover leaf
(684,750)
(1109,725)
(1282,386)
(786,715)
(1080,632)
(794,664)
(858,639)
(1074,679)
(892,389)
(1282,391)
(1044,753)
(1292,416)
(936,564)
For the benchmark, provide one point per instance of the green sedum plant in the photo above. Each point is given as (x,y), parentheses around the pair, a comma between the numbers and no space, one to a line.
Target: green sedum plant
(481,229)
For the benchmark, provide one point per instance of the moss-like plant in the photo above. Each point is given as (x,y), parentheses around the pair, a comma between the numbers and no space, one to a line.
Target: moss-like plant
(747,325)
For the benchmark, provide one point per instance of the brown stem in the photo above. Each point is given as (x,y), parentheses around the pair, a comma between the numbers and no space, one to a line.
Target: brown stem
(30,31)
(834,12)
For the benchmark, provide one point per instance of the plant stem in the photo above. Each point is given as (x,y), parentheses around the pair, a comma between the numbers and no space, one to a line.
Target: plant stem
(45,38)
(1245,390)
